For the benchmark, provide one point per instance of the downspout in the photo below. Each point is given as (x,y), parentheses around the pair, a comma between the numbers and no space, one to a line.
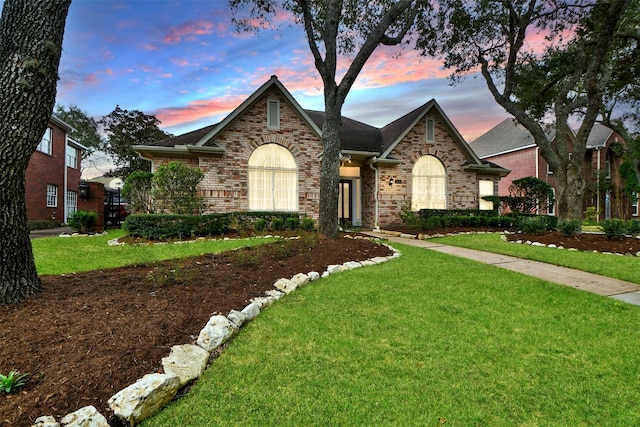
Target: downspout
(375,197)
(538,176)
(598,187)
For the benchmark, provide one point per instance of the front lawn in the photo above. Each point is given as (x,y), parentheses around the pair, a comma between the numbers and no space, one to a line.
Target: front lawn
(619,267)
(427,339)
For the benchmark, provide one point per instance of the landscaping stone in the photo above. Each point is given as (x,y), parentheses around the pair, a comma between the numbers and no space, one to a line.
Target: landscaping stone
(237,317)
(144,397)
(313,276)
(84,417)
(216,332)
(285,285)
(187,362)
(251,311)
(300,279)
(46,421)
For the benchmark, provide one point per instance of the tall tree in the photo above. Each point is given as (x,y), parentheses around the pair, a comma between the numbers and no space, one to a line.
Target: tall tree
(86,127)
(125,128)
(31,35)
(566,80)
(334,27)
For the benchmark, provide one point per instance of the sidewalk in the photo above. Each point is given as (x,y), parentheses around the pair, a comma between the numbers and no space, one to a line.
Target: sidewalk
(601,285)
(48,232)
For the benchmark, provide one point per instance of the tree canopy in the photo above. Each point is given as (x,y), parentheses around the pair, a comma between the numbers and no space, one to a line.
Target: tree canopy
(125,128)
(542,61)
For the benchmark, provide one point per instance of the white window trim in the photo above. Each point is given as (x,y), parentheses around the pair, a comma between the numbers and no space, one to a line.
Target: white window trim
(72,203)
(72,160)
(273,122)
(269,197)
(430,131)
(634,206)
(52,196)
(46,144)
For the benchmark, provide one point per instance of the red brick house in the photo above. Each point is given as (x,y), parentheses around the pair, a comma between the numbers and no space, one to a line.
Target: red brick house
(53,174)
(265,156)
(511,146)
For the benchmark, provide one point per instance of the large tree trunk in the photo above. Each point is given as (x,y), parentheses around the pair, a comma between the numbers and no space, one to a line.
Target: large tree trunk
(569,195)
(330,172)
(30,47)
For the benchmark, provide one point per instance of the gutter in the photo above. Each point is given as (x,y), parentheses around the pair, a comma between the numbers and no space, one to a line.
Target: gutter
(375,195)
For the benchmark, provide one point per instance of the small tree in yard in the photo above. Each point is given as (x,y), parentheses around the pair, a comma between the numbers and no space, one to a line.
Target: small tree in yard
(137,191)
(528,194)
(174,189)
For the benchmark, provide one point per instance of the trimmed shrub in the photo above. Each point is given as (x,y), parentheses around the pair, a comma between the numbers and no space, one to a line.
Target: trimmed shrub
(260,225)
(570,227)
(633,227)
(158,227)
(307,224)
(83,221)
(292,223)
(531,224)
(614,227)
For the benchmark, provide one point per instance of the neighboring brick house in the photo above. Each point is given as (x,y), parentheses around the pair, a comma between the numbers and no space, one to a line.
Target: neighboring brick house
(53,174)
(265,155)
(511,146)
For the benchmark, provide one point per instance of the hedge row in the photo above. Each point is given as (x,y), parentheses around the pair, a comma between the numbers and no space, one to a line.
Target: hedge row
(429,219)
(159,227)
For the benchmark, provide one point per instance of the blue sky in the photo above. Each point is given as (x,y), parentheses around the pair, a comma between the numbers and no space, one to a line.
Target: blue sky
(184,62)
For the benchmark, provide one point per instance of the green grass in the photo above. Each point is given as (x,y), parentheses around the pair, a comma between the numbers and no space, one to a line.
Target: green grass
(420,341)
(55,255)
(619,267)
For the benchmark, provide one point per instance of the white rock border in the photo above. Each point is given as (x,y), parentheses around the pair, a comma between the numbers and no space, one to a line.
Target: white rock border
(218,330)
(503,237)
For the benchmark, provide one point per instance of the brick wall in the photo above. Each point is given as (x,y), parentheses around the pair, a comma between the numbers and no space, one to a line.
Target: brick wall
(47,169)
(94,203)
(224,186)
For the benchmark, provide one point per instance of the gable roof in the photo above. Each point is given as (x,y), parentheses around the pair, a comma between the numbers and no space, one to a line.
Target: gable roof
(505,137)
(357,137)
(598,136)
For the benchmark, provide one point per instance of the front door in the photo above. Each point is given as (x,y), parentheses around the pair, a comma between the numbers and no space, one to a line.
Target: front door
(345,208)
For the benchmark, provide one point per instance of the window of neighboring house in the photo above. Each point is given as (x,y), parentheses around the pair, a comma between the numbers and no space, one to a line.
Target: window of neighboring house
(551,207)
(72,157)
(549,171)
(273,179)
(431,131)
(608,169)
(52,196)
(72,203)
(634,205)
(485,188)
(273,114)
(45,142)
(428,184)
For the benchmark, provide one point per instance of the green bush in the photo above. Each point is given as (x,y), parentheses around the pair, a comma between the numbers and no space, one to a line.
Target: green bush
(174,189)
(308,224)
(614,227)
(570,227)
(292,223)
(633,227)
(43,224)
(260,224)
(82,221)
(277,224)
(158,227)
(531,224)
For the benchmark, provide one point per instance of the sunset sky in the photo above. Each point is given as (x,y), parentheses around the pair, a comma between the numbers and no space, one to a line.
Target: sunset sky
(184,62)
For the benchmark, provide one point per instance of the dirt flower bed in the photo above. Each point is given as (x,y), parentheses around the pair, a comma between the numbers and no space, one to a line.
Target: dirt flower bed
(89,335)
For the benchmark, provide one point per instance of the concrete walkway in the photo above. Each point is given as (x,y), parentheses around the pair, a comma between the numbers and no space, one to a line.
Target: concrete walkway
(601,285)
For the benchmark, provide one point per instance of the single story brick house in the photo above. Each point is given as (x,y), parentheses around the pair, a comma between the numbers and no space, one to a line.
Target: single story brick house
(512,146)
(265,156)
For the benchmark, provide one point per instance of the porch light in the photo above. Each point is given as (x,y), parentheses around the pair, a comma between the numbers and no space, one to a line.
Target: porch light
(390,182)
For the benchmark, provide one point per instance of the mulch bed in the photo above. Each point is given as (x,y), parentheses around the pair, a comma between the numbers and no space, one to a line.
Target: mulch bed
(88,335)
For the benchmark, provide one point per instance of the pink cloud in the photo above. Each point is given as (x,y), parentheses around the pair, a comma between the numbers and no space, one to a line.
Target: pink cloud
(188,31)
(200,109)
(150,46)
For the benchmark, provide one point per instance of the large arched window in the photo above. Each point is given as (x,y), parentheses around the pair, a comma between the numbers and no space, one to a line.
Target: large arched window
(273,179)
(429,184)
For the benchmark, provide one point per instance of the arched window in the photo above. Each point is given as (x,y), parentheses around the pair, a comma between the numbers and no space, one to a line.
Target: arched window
(429,184)
(273,179)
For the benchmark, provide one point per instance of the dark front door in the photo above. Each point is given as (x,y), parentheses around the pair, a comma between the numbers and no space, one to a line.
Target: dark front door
(345,202)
